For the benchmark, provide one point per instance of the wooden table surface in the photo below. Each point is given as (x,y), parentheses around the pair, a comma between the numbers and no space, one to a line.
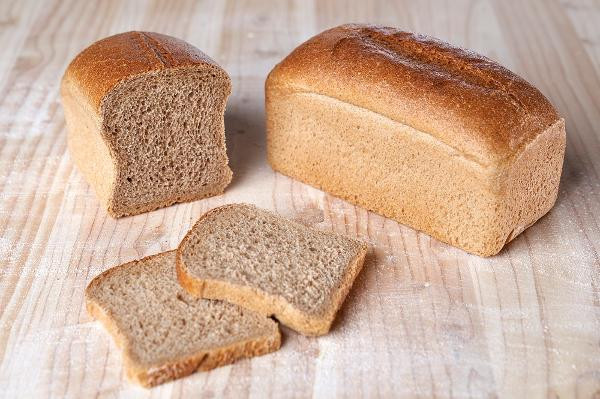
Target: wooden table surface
(423,319)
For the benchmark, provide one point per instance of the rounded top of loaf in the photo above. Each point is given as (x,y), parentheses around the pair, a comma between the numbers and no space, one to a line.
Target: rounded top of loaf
(107,62)
(479,109)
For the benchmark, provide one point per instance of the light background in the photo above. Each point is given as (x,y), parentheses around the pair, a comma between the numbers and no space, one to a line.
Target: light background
(422,319)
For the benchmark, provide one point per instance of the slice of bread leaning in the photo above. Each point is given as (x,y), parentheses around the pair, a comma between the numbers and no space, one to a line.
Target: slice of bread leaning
(253,258)
(165,333)
(144,115)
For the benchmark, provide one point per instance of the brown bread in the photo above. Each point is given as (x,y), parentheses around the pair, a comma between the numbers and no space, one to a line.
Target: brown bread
(256,259)
(431,135)
(163,332)
(144,113)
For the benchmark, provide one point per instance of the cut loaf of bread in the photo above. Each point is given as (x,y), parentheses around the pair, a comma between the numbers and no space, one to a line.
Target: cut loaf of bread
(144,115)
(165,333)
(431,135)
(253,258)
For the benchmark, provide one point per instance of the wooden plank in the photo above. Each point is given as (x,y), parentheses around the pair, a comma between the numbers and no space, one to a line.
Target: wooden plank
(584,16)
(423,319)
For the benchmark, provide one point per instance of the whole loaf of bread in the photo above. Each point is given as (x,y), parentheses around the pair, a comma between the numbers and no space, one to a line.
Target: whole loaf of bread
(434,136)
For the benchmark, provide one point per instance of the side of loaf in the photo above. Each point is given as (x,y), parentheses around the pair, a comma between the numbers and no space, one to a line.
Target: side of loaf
(436,137)
(165,333)
(145,119)
(253,258)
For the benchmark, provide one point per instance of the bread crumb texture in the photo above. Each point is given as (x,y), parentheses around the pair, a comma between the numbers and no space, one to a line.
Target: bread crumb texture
(436,137)
(164,332)
(251,257)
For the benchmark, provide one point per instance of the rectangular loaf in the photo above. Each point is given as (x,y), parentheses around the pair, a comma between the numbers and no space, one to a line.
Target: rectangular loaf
(436,137)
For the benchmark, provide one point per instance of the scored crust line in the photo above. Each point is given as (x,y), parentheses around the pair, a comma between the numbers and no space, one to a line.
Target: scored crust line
(155,48)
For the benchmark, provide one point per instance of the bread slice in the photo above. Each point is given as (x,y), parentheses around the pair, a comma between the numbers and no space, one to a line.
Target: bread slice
(253,258)
(434,136)
(164,332)
(144,115)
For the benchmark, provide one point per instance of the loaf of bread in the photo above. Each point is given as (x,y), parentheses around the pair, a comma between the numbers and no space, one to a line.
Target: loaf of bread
(144,114)
(436,137)
(253,258)
(163,332)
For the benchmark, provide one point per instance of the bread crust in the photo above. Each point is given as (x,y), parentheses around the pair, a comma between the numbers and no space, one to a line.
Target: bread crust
(465,100)
(150,376)
(262,302)
(107,62)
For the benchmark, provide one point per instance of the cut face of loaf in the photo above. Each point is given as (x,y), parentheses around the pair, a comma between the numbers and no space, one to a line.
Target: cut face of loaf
(164,332)
(144,114)
(253,258)
(433,136)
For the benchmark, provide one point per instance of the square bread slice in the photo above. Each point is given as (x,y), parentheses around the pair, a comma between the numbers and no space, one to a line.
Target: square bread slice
(145,121)
(165,333)
(256,259)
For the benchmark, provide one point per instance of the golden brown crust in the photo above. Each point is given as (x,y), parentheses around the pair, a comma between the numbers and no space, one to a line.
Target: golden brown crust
(101,66)
(262,302)
(465,100)
(87,146)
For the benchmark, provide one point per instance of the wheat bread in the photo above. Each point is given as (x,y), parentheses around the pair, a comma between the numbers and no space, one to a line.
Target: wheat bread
(434,136)
(144,114)
(165,333)
(256,259)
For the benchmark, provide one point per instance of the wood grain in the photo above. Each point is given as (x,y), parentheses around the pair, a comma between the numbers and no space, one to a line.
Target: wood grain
(424,319)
